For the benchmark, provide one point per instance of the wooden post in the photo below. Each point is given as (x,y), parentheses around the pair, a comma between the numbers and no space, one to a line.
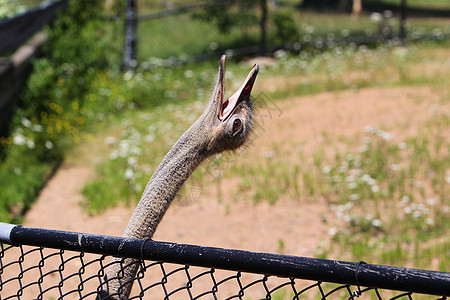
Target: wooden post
(263,27)
(356,8)
(13,75)
(129,56)
(402,33)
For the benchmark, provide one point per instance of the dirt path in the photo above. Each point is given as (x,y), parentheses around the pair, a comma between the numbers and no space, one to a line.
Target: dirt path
(289,226)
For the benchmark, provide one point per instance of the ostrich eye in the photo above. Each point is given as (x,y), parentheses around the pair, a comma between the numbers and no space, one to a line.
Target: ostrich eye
(237,125)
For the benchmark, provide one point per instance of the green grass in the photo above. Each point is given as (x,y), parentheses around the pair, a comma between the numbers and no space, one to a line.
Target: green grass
(357,67)
(181,35)
(385,199)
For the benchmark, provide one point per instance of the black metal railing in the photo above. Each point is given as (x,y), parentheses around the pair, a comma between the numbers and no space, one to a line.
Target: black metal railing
(40,264)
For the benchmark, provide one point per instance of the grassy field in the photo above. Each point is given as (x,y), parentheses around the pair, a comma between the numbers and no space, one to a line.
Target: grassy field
(359,179)
(182,35)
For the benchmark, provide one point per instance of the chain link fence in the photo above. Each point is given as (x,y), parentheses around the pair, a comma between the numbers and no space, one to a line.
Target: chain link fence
(67,265)
(171,32)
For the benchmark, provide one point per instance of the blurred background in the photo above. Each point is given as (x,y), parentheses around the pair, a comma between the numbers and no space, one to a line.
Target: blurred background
(353,121)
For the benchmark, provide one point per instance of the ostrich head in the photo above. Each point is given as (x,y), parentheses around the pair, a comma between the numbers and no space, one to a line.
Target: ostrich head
(228,122)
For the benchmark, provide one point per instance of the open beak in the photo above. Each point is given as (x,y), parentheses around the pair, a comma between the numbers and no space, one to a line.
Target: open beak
(226,108)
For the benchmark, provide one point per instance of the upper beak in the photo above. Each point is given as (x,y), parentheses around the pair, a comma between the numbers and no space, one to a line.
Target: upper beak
(225,108)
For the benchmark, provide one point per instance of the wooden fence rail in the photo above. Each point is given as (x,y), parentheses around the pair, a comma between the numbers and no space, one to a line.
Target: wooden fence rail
(15,34)
(16,30)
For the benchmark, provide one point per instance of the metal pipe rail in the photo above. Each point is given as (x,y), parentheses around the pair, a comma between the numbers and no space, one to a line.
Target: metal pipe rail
(322,270)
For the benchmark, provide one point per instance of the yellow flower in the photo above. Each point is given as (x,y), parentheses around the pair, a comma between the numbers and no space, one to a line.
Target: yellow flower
(60,81)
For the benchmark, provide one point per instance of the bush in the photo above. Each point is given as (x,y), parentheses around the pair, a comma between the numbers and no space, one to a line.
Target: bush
(285,28)
(52,114)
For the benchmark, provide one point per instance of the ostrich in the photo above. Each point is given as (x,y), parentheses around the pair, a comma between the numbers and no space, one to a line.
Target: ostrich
(223,126)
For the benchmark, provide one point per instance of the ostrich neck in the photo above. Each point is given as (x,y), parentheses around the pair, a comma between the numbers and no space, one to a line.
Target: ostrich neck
(173,171)
(176,167)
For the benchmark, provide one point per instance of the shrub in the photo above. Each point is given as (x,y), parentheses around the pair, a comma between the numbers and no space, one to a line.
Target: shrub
(52,113)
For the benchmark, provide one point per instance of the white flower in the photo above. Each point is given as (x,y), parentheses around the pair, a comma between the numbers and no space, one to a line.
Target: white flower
(400,53)
(25,122)
(336,179)
(30,144)
(188,73)
(135,151)
(114,154)
(371,181)
(352,185)
(408,210)
(342,168)
(350,178)
(37,128)
(367,140)
(429,221)
(279,54)
(213,46)
(376,223)
(364,148)
(129,173)
(405,199)
(431,201)
(110,140)
(132,161)
(17,171)
(374,188)
(386,136)
(395,167)
(402,146)
(48,145)
(369,129)
(19,139)
(376,17)
(128,75)
(149,138)
(345,32)
(332,231)
(354,197)
(326,170)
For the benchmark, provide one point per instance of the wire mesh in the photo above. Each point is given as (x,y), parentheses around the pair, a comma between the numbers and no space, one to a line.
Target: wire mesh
(28,272)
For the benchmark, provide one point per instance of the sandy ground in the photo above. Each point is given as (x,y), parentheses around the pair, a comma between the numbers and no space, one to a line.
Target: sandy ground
(247,225)
(257,227)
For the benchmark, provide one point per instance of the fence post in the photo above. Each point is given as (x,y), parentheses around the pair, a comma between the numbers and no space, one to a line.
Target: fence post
(263,27)
(402,33)
(129,57)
